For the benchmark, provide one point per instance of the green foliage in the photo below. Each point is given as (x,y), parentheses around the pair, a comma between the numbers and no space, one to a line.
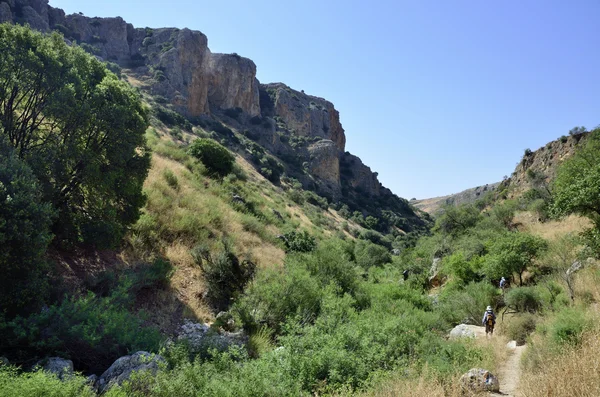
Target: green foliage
(505,212)
(368,254)
(171,178)
(523,299)
(298,242)
(24,234)
(576,188)
(315,199)
(457,220)
(225,275)
(217,159)
(80,129)
(40,383)
(466,305)
(463,270)
(91,331)
(171,118)
(513,253)
(520,327)
(568,326)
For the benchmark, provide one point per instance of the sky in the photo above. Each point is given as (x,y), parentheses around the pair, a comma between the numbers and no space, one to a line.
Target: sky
(435,96)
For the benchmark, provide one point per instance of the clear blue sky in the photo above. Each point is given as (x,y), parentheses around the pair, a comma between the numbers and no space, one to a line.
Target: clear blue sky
(436,96)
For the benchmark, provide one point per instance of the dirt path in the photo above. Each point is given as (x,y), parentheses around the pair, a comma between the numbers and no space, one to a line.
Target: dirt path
(510,373)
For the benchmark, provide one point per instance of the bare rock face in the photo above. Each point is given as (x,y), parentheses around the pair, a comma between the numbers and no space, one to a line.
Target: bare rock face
(306,115)
(180,60)
(325,164)
(108,35)
(359,175)
(233,83)
(60,367)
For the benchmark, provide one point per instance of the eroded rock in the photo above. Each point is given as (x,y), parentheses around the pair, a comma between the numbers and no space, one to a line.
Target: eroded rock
(60,367)
(462,331)
(122,369)
(480,380)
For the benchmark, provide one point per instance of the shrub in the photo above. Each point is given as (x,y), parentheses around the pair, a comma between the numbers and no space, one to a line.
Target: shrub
(225,276)
(519,328)
(466,305)
(171,179)
(91,331)
(523,299)
(368,254)
(215,157)
(315,199)
(568,326)
(298,242)
(40,383)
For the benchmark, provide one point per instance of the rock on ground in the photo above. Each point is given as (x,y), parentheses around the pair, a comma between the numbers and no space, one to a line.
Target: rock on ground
(122,369)
(478,380)
(61,367)
(462,331)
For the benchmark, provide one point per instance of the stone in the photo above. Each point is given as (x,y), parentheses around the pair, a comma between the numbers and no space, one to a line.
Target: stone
(92,381)
(462,331)
(396,252)
(60,367)
(201,337)
(123,367)
(480,380)
(4,361)
(575,267)
(434,277)
(511,345)
(359,176)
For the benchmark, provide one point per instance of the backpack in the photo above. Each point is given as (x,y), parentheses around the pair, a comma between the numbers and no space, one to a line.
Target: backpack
(489,319)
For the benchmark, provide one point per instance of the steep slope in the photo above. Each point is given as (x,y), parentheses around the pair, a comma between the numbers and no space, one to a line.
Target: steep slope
(303,132)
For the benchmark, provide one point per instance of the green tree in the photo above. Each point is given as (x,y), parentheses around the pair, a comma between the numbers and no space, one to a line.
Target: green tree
(217,159)
(24,234)
(79,128)
(576,189)
(456,220)
(513,253)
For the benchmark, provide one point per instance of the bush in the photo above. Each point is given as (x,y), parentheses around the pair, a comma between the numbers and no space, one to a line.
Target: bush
(298,242)
(568,326)
(40,383)
(171,178)
(225,276)
(91,331)
(519,328)
(215,157)
(24,234)
(523,299)
(466,305)
(368,254)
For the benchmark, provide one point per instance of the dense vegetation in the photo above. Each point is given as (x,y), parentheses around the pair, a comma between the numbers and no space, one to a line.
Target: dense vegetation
(318,287)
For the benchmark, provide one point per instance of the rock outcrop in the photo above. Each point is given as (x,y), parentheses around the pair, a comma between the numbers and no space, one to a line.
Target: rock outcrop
(325,164)
(60,367)
(360,176)
(122,369)
(480,380)
(462,331)
(305,115)
(233,83)
(201,337)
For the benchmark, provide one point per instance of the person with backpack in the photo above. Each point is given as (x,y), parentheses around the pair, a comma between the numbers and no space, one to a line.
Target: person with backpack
(489,321)
(502,283)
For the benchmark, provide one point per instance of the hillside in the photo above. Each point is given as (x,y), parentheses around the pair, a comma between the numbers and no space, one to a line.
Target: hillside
(301,134)
(170,226)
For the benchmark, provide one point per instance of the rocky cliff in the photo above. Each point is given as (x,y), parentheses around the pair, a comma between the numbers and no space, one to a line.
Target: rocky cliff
(302,130)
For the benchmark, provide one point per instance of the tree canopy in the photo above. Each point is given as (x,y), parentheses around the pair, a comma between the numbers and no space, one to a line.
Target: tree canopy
(79,128)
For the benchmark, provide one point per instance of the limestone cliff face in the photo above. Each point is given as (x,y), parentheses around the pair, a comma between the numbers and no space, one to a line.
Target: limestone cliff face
(233,83)
(325,165)
(110,36)
(306,115)
(360,176)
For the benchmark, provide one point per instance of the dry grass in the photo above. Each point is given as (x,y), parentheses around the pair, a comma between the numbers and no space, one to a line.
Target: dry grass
(424,386)
(551,230)
(576,372)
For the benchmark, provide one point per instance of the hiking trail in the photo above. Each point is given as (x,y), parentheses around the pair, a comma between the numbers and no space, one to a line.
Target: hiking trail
(510,373)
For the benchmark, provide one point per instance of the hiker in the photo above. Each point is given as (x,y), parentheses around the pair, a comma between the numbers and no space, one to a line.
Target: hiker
(502,283)
(489,320)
